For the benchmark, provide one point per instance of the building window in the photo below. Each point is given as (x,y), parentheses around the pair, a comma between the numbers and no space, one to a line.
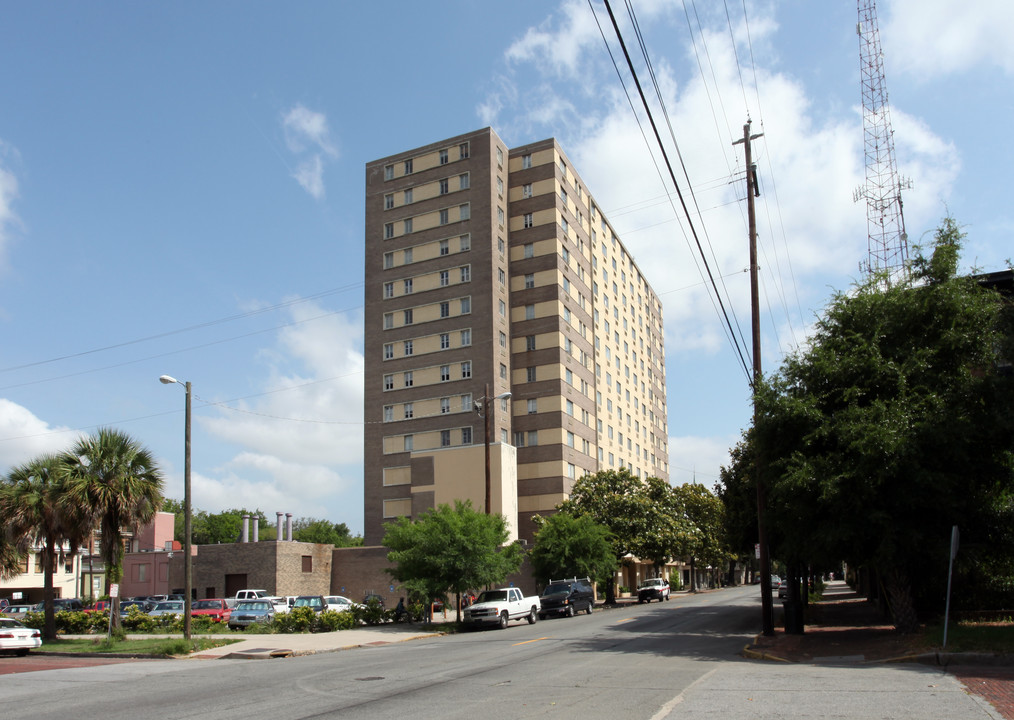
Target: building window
(529,281)
(465,212)
(463,151)
(445,438)
(445,373)
(503,309)
(389,290)
(408,317)
(407,226)
(389,382)
(530,374)
(501,246)
(526,161)
(530,342)
(445,341)
(389,172)
(408,196)
(388,260)
(407,257)
(533,406)
(443,157)
(443,217)
(388,321)
(445,247)
(466,369)
(409,411)
(408,347)
(503,339)
(445,278)
(570,439)
(499,216)
(444,188)
(570,408)
(503,371)
(529,312)
(499,157)
(466,273)
(466,338)
(445,309)
(388,231)
(529,220)
(466,243)
(501,276)
(466,306)
(445,405)
(408,443)
(388,351)
(529,250)
(408,286)
(526,190)
(466,436)
(388,413)
(533,438)
(307,563)
(389,201)
(408,167)
(408,379)
(463,182)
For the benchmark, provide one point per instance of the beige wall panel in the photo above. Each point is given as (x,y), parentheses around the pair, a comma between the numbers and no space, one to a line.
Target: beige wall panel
(397,475)
(401,507)
(540,503)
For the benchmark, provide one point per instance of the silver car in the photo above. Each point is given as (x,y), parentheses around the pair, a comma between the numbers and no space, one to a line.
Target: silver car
(248,612)
(168,607)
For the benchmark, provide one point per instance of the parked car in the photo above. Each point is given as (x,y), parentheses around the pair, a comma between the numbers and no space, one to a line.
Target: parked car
(340,603)
(60,604)
(653,589)
(15,636)
(566,597)
(167,607)
(17,611)
(775,580)
(314,602)
(248,612)
(125,605)
(783,588)
(215,608)
(373,596)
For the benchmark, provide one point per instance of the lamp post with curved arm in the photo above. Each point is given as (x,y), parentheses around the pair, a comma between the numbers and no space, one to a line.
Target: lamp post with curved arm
(188,580)
(486,412)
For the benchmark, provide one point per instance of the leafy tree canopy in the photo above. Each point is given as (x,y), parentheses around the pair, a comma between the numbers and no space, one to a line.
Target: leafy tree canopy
(450,550)
(567,546)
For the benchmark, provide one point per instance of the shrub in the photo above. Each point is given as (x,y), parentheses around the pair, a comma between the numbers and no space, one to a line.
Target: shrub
(373,613)
(298,619)
(332,620)
(137,622)
(35,620)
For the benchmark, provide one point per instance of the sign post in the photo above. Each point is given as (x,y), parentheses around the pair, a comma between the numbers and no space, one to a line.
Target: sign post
(955,537)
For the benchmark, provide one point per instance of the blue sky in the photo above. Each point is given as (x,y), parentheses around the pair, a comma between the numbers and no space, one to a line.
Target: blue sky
(181,192)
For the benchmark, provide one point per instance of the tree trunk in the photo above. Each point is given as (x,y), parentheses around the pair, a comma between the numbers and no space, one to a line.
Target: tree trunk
(899,592)
(48,554)
(693,575)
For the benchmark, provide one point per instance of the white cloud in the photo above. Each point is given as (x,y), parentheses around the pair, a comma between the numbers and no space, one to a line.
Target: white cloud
(928,37)
(698,459)
(27,436)
(302,441)
(307,136)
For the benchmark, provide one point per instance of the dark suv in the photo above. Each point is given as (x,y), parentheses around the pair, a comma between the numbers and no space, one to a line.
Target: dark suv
(566,597)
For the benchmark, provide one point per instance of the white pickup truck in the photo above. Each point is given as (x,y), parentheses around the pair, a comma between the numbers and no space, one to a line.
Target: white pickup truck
(499,607)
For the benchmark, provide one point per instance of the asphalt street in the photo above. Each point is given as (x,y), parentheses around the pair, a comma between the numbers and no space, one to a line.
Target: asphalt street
(674,659)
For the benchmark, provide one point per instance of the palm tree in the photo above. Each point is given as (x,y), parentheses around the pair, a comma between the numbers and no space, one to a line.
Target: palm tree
(33,515)
(116,478)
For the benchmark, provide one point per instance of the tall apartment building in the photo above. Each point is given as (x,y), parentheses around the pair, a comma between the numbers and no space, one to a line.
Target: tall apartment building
(490,267)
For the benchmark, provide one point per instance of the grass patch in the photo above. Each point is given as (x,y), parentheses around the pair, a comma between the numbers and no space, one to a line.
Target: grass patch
(159,647)
(986,637)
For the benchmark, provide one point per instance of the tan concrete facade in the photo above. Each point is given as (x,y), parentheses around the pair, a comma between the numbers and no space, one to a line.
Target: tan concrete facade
(511,277)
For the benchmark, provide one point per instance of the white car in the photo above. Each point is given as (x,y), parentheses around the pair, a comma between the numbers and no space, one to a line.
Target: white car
(15,636)
(340,603)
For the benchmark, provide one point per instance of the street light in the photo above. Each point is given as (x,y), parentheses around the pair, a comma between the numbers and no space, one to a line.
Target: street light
(486,414)
(187,513)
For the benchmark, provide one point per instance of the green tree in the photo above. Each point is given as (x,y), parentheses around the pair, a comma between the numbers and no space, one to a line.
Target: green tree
(115,479)
(892,426)
(450,550)
(34,516)
(640,517)
(323,531)
(706,515)
(567,546)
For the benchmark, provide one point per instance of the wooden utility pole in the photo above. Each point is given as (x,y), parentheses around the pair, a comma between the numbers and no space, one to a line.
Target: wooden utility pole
(767,614)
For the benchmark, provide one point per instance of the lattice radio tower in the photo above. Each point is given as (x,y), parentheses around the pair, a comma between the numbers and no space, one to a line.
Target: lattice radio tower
(888,242)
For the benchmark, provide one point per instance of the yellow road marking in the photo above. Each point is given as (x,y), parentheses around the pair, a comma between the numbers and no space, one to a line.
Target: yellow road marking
(530,641)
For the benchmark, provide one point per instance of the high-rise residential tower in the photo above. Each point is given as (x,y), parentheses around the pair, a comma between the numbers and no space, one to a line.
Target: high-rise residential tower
(490,271)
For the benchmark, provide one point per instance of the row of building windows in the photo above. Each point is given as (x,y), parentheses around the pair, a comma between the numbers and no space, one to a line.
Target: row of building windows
(424,251)
(443,157)
(445,405)
(443,280)
(443,218)
(443,342)
(444,309)
(408,377)
(443,188)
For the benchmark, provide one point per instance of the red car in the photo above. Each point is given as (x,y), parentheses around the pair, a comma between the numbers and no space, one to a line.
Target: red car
(216,608)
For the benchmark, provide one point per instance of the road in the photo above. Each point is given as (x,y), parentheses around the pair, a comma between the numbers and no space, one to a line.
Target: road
(655,661)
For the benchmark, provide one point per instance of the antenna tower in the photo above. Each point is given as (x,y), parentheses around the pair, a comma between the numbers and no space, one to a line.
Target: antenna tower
(888,241)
